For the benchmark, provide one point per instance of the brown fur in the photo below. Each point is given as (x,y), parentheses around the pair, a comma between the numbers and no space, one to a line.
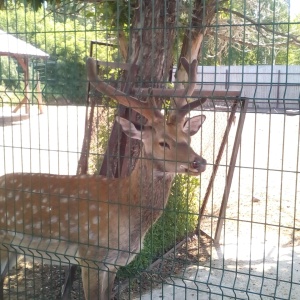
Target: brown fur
(93,221)
(101,222)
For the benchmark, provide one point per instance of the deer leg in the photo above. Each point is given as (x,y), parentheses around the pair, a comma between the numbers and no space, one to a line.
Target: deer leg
(98,284)
(67,287)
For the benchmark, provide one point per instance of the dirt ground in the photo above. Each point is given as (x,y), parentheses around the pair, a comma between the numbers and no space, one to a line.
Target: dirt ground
(258,255)
(41,281)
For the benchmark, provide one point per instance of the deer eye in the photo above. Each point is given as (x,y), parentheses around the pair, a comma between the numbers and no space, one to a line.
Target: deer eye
(164,144)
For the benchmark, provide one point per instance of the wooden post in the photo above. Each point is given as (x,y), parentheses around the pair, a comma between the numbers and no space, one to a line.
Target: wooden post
(39,94)
(24,64)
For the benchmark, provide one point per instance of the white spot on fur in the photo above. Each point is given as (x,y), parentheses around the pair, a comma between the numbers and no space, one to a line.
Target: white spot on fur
(54,219)
(37,225)
(91,236)
(93,206)
(46,208)
(73,229)
(64,200)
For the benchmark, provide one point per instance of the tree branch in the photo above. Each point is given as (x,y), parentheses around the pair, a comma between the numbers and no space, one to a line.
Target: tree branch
(291,37)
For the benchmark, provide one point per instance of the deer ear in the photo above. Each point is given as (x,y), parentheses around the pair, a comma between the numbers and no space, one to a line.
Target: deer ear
(192,125)
(129,129)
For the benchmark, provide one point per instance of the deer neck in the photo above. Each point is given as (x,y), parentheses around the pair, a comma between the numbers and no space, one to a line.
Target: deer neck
(151,183)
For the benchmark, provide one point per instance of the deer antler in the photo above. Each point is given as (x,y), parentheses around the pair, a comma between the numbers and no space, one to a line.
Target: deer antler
(178,115)
(191,70)
(144,108)
(147,109)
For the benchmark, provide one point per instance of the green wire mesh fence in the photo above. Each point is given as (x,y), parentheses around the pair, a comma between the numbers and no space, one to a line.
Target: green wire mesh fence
(153,143)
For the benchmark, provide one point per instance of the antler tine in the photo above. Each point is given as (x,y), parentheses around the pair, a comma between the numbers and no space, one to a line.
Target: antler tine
(182,108)
(190,106)
(151,114)
(191,70)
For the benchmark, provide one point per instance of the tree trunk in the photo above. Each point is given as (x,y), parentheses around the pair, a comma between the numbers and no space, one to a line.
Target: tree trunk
(152,40)
(123,44)
(150,52)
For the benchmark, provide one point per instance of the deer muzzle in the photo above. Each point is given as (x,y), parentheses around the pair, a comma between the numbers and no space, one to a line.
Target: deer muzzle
(198,165)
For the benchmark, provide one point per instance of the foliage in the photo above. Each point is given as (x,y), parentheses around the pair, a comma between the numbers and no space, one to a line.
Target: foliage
(177,221)
(66,39)
(252,33)
(103,119)
(12,78)
(8,96)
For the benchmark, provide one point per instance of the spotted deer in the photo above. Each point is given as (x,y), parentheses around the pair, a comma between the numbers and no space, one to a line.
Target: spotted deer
(96,222)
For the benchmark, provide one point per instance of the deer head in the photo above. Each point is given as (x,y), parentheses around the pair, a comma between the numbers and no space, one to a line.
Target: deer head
(166,139)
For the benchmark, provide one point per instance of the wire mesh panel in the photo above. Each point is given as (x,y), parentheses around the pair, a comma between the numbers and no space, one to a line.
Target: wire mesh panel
(153,143)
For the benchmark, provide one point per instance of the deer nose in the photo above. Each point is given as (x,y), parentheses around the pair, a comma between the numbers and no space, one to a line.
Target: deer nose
(199,164)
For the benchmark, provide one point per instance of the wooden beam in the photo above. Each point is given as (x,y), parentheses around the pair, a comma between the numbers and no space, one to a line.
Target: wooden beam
(115,65)
(156,92)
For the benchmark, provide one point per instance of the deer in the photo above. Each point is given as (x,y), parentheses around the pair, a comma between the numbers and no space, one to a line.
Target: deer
(96,222)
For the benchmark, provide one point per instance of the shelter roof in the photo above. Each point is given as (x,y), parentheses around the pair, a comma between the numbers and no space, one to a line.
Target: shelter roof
(12,46)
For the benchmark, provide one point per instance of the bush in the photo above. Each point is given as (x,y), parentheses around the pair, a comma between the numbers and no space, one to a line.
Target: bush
(178,220)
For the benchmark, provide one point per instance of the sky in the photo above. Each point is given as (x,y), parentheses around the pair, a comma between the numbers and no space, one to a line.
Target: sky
(295,7)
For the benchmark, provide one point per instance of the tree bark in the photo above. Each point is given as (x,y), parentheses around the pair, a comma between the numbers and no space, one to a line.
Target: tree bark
(150,52)
(123,44)
(152,40)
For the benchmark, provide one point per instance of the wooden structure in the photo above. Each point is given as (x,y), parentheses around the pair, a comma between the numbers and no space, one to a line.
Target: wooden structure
(20,50)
